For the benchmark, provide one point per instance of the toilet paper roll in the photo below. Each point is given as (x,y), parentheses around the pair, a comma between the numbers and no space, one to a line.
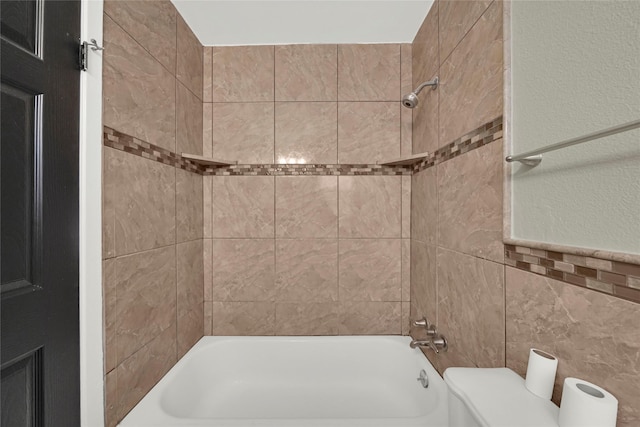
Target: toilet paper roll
(586,405)
(541,373)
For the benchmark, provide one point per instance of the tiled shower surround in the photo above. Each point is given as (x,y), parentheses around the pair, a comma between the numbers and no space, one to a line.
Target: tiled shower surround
(297,249)
(337,245)
(492,308)
(152,212)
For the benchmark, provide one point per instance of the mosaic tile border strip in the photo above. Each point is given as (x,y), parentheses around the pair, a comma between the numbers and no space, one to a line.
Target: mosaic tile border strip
(483,135)
(127,143)
(308,170)
(123,142)
(615,278)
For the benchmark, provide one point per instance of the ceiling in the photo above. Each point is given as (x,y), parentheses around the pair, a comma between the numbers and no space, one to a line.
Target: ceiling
(265,22)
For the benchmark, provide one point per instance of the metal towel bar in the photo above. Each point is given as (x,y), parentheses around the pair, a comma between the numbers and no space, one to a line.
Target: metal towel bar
(532,158)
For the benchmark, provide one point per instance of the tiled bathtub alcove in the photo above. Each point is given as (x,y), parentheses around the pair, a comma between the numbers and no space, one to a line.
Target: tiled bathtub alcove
(339,244)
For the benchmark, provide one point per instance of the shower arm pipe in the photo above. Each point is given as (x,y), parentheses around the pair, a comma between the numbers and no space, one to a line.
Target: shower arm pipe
(433,83)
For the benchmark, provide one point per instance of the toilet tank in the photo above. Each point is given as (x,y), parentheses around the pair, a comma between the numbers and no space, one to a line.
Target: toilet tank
(495,397)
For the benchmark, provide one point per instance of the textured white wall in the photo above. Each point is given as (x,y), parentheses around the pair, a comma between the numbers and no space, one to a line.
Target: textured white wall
(576,70)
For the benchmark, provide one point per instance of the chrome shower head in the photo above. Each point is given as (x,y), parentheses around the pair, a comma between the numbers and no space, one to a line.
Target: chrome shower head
(411,100)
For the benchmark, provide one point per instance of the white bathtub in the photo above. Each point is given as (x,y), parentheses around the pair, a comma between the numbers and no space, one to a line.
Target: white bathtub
(296,381)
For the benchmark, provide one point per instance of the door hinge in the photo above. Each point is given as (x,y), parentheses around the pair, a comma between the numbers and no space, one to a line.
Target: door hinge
(83,54)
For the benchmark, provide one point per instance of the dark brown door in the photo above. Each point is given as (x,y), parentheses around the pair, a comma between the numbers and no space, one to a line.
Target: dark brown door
(39,213)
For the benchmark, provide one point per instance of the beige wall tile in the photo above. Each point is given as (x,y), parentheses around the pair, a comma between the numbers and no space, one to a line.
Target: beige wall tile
(406,270)
(306,73)
(144,205)
(426,137)
(243,132)
(307,270)
(306,206)
(111,399)
(139,373)
(207,206)
(189,127)
(471,310)
(146,298)
(207,74)
(189,58)
(189,223)
(370,270)
(406,322)
(424,287)
(456,19)
(151,24)
(370,318)
(306,131)
(243,74)
(109,301)
(406,68)
(109,192)
(594,336)
(471,78)
(191,328)
(243,318)
(208,317)
(207,129)
(139,93)
(243,270)
(207,254)
(406,132)
(424,49)
(243,206)
(369,206)
(406,207)
(424,206)
(190,273)
(470,203)
(426,64)
(369,72)
(368,131)
(306,318)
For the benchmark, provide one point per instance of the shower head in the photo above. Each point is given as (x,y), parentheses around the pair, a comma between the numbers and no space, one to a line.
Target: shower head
(411,100)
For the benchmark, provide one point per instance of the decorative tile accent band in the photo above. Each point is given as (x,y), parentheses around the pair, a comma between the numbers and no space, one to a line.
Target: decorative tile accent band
(615,278)
(123,142)
(120,141)
(483,135)
(307,169)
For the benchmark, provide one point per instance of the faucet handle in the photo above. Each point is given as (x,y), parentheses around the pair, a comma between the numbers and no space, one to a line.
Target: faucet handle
(424,323)
(439,342)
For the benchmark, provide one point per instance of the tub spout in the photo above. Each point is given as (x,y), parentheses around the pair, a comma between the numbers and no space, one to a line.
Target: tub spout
(436,343)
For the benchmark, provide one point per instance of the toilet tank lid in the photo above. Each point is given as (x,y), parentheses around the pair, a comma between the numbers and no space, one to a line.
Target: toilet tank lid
(497,397)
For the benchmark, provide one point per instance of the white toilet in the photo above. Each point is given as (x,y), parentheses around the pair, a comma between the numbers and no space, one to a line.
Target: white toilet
(495,397)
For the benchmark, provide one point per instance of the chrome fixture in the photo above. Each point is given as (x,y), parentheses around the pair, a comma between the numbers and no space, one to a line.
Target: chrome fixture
(423,378)
(429,328)
(533,158)
(436,343)
(411,100)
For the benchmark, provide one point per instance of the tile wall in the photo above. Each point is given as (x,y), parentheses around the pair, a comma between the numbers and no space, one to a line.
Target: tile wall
(152,212)
(493,301)
(306,255)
